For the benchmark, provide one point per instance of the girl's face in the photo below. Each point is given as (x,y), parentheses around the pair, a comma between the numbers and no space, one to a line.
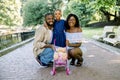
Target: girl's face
(57,15)
(72,21)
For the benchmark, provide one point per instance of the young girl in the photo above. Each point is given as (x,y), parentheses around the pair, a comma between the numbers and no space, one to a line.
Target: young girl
(59,30)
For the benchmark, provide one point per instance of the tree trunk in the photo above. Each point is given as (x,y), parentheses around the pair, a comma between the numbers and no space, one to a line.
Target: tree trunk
(108,15)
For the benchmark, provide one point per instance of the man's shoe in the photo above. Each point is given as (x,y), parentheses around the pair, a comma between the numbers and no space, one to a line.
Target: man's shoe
(50,64)
(39,61)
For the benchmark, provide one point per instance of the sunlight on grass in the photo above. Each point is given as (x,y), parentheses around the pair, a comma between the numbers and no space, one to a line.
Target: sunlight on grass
(89,32)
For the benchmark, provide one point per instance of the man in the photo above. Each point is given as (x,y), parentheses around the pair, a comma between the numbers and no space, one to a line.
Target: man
(43,50)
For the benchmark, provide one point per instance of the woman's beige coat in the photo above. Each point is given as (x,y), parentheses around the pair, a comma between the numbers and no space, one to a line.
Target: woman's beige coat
(42,37)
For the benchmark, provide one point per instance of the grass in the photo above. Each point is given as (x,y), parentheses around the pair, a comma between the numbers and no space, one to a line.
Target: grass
(89,32)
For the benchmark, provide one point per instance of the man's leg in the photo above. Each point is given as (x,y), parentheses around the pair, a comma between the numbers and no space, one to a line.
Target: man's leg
(46,56)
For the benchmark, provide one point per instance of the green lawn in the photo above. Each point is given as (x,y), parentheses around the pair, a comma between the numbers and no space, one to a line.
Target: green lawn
(89,32)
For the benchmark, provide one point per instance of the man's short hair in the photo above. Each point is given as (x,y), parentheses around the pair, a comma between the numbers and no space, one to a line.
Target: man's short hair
(48,14)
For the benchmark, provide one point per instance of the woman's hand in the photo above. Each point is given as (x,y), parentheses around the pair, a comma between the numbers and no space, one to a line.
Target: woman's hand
(67,42)
(72,44)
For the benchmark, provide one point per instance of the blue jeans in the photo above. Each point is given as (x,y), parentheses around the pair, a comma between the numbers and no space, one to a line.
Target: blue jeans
(46,56)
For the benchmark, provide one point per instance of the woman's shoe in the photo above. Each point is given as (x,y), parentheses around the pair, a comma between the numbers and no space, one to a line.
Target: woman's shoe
(72,61)
(79,64)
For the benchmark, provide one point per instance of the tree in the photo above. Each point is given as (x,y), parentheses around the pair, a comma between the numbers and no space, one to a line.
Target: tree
(54,4)
(105,9)
(9,12)
(83,11)
(33,12)
(109,8)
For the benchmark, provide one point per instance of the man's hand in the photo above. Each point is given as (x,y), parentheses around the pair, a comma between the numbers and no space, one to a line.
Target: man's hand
(48,46)
(53,47)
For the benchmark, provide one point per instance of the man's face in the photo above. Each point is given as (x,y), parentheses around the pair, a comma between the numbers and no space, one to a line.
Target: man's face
(49,20)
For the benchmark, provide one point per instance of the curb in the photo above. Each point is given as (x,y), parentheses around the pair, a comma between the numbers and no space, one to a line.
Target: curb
(107,47)
(15,46)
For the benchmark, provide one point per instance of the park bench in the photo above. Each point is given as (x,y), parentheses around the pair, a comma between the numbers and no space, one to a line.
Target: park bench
(107,30)
(116,40)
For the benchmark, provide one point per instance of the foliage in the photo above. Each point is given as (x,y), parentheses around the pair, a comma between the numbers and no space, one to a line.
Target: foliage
(106,8)
(94,10)
(9,12)
(55,4)
(83,11)
(33,12)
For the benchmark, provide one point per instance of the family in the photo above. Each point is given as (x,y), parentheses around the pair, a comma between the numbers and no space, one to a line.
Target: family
(64,33)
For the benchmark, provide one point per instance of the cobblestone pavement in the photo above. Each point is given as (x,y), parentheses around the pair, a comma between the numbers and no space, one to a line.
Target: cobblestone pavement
(99,64)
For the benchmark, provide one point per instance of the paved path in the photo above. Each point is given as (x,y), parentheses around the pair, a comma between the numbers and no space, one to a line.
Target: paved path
(99,64)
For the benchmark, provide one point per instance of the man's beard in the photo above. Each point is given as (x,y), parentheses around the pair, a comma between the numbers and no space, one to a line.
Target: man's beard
(49,24)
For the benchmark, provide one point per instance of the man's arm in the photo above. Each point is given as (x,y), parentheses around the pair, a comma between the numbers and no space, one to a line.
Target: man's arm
(39,38)
(38,41)
(49,46)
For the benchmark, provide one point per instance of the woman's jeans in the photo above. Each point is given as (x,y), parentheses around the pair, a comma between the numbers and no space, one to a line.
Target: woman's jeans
(46,56)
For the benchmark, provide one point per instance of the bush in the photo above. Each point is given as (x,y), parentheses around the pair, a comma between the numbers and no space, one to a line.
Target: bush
(83,11)
(33,12)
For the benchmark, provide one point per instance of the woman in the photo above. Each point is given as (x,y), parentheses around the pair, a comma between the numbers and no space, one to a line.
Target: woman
(74,37)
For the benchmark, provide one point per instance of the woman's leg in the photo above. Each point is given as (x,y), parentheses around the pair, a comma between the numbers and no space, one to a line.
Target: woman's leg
(70,56)
(77,53)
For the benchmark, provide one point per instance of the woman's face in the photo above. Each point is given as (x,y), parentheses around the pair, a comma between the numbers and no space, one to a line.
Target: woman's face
(72,21)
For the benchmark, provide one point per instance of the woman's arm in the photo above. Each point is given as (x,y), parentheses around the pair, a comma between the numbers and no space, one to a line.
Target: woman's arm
(73,44)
